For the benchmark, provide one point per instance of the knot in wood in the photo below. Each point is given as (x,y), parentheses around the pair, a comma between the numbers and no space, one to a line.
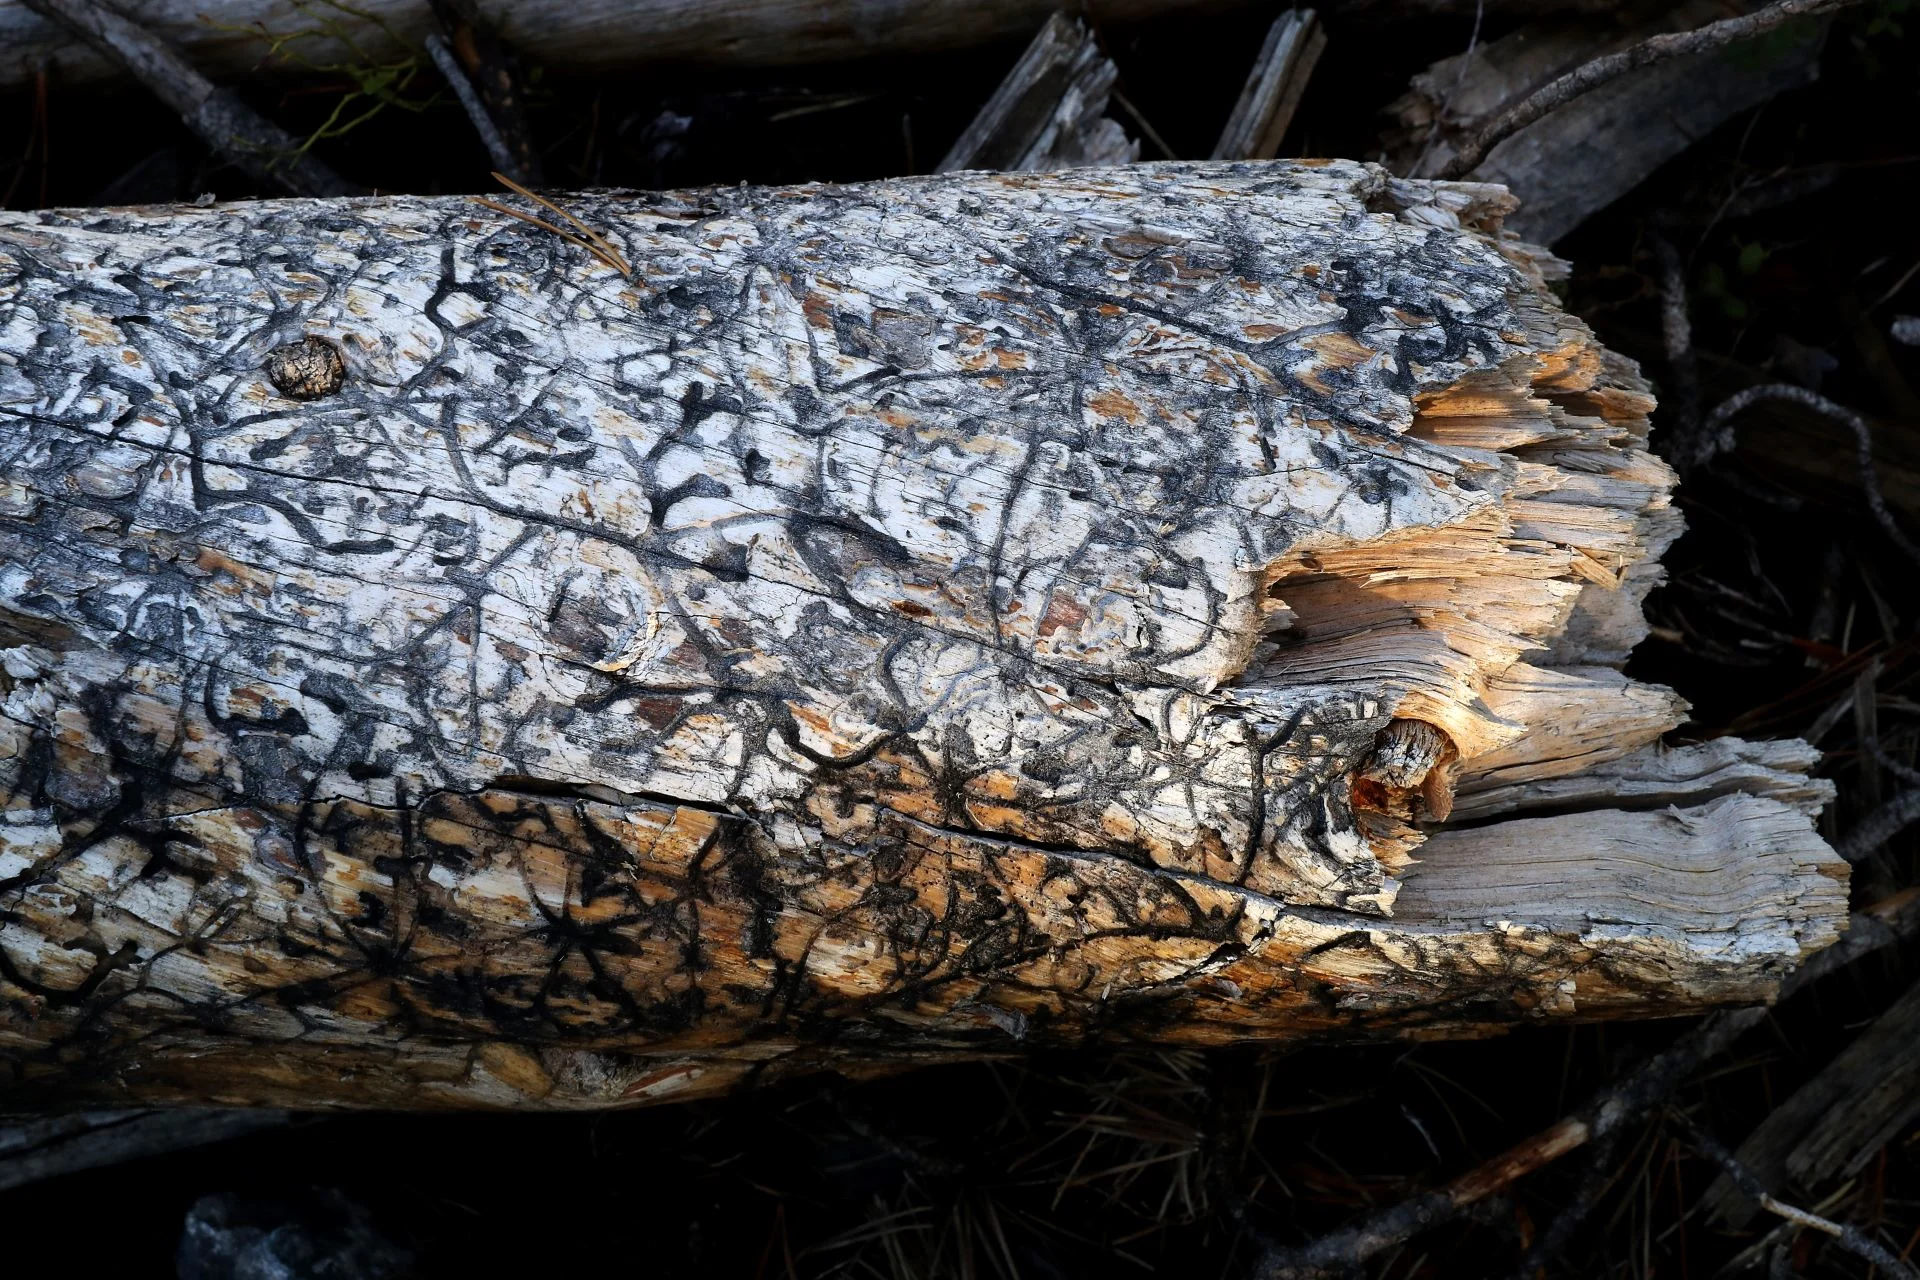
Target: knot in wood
(1405,752)
(1410,754)
(307,369)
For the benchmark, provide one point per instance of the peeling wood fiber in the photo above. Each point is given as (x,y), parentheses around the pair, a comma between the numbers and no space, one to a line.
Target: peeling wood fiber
(899,622)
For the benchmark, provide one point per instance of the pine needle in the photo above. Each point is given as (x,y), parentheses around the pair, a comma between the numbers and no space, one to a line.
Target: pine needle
(589,239)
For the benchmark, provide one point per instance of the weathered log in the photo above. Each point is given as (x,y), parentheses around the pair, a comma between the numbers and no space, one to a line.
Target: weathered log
(898,622)
(250,37)
(1588,153)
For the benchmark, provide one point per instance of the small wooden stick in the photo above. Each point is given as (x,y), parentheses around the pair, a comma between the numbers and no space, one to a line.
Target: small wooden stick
(1849,1238)
(1605,1113)
(491,75)
(456,78)
(233,129)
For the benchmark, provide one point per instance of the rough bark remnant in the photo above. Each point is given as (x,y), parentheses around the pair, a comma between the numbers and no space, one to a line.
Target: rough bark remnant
(901,621)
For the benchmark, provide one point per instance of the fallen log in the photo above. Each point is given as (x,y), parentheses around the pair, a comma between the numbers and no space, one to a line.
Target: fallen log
(226,38)
(1594,149)
(885,624)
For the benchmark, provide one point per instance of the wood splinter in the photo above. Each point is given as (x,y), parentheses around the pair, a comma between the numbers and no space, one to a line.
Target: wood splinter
(899,623)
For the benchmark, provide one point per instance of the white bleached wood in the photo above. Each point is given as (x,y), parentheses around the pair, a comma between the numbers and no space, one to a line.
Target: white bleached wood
(898,621)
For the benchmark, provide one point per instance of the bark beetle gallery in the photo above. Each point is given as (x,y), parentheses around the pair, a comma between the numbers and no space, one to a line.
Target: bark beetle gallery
(899,622)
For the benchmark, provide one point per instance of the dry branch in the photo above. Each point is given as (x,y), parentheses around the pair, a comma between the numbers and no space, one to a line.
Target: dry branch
(1050,111)
(456,77)
(899,622)
(1592,146)
(1608,68)
(1847,1237)
(1602,1118)
(485,77)
(1717,435)
(231,128)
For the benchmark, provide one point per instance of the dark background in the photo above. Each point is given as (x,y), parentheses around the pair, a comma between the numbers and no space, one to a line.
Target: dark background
(1174,1163)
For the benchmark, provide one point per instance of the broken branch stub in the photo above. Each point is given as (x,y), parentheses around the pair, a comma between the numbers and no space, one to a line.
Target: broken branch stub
(1049,112)
(899,621)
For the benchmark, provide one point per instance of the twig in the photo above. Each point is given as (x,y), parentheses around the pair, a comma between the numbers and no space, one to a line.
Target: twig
(1880,826)
(1603,70)
(1594,1181)
(1147,130)
(493,89)
(1716,437)
(238,133)
(1603,1116)
(449,66)
(1849,1238)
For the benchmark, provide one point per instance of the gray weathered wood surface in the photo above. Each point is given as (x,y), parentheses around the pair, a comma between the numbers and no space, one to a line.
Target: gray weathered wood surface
(1272,93)
(1049,112)
(228,37)
(1589,153)
(900,621)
